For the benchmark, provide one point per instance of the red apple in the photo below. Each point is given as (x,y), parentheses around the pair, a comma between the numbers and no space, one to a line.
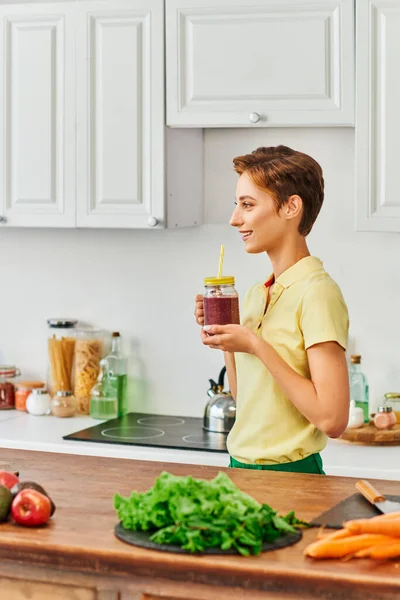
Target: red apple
(30,508)
(8,479)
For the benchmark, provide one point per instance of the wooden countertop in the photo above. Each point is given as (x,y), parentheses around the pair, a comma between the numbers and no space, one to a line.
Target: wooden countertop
(80,536)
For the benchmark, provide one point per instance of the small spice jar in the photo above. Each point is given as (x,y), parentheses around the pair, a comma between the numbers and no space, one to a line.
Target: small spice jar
(63,404)
(384,418)
(7,387)
(22,391)
(38,402)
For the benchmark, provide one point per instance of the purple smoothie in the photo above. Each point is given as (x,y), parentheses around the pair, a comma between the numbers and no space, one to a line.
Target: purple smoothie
(221,310)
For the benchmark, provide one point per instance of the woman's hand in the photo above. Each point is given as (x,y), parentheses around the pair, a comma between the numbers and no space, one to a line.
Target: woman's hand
(229,338)
(199,310)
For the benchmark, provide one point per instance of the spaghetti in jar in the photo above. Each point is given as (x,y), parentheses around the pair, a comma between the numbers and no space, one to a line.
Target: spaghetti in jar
(61,349)
(88,354)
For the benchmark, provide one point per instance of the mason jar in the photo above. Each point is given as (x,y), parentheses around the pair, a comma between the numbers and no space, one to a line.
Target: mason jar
(8,373)
(221,301)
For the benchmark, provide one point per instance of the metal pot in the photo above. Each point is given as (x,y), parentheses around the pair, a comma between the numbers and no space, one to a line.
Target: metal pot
(220,410)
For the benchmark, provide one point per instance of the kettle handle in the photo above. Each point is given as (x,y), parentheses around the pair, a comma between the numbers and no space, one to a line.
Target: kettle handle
(222,377)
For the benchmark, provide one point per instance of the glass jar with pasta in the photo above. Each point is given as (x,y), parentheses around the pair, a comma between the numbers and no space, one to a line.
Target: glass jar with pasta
(88,354)
(61,349)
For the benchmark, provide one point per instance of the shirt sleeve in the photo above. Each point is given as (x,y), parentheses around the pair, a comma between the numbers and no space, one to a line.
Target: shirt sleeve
(324,316)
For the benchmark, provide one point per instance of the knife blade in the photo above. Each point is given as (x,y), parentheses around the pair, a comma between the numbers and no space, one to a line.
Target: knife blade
(376,498)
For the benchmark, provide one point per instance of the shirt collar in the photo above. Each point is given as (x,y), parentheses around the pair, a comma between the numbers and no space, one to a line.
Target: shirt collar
(299,270)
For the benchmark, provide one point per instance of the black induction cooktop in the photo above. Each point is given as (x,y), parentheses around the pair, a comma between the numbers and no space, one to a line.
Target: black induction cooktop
(162,431)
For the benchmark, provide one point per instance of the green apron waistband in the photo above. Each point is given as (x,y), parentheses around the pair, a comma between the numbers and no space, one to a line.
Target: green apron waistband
(312,464)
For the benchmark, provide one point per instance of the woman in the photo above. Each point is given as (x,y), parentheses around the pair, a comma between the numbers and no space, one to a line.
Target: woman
(286,362)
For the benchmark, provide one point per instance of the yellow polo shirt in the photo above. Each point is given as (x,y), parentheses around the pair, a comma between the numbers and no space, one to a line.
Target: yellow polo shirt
(306,308)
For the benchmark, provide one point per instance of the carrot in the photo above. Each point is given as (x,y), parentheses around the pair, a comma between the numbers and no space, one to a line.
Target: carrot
(336,535)
(383,527)
(393,515)
(367,552)
(341,547)
(383,551)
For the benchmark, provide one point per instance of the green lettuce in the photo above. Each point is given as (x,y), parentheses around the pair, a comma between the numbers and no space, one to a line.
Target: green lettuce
(196,514)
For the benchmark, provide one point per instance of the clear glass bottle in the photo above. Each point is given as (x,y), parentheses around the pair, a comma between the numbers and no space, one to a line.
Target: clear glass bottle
(61,348)
(393,399)
(138,391)
(359,390)
(221,301)
(117,366)
(8,373)
(88,354)
(103,397)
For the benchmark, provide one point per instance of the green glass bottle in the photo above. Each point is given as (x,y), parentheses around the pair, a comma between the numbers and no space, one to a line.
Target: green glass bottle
(359,390)
(117,365)
(103,397)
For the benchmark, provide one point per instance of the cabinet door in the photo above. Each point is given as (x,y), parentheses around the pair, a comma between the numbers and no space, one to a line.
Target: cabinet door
(37,115)
(260,64)
(378,116)
(120,104)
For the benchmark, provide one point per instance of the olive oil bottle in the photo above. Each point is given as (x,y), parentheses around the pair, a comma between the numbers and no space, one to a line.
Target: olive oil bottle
(117,365)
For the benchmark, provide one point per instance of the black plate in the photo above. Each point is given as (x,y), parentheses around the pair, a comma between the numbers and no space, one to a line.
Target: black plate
(142,539)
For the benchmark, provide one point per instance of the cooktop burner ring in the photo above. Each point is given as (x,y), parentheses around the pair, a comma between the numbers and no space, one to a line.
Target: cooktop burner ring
(142,430)
(204,443)
(161,421)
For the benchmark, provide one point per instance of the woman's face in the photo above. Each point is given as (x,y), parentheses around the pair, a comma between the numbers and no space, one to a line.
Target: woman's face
(261,226)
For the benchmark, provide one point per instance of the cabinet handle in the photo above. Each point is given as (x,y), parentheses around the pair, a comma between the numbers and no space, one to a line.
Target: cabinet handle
(152,221)
(3,219)
(254,117)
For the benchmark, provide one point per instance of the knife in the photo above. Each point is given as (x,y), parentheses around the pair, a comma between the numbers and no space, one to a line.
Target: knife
(376,498)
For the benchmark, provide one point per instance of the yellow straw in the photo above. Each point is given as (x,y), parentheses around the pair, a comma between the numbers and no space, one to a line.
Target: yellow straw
(221,260)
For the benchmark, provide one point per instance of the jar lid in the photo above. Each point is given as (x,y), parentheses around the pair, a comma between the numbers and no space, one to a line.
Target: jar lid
(392,395)
(228,280)
(28,385)
(8,370)
(384,409)
(63,393)
(40,391)
(61,323)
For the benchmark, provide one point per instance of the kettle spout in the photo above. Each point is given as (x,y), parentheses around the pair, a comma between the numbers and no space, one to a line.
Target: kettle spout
(213,389)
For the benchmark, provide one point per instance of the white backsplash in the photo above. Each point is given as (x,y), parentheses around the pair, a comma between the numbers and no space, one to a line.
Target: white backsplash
(143,282)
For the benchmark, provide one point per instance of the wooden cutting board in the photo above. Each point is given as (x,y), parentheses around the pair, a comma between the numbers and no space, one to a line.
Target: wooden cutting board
(369,434)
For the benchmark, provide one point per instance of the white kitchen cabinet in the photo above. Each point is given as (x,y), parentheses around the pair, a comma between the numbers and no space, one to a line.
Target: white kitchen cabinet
(378,115)
(37,115)
(83,120)
(267,63)
(120,99)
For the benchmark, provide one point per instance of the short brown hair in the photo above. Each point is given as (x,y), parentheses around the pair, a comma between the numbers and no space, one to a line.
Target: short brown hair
(283,172)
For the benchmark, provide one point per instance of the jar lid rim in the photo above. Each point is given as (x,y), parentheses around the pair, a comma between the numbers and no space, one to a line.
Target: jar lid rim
(8,370)
(62,323)
(226,280)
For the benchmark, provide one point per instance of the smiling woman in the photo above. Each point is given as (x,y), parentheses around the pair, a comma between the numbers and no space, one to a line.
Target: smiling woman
(286,360)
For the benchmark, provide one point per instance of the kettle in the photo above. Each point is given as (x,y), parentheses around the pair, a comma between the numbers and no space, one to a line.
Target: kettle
(220,410)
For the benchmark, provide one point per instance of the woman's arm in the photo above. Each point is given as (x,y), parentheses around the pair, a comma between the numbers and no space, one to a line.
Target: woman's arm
(323,400)
(231,372)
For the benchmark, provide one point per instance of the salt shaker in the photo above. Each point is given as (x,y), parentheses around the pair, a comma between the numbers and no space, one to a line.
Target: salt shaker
(38,402)
(385,418)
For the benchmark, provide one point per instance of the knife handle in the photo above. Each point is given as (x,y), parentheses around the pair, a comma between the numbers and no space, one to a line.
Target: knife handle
(369,492)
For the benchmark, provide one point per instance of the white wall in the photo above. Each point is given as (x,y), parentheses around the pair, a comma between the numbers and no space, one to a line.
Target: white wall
(143,282)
